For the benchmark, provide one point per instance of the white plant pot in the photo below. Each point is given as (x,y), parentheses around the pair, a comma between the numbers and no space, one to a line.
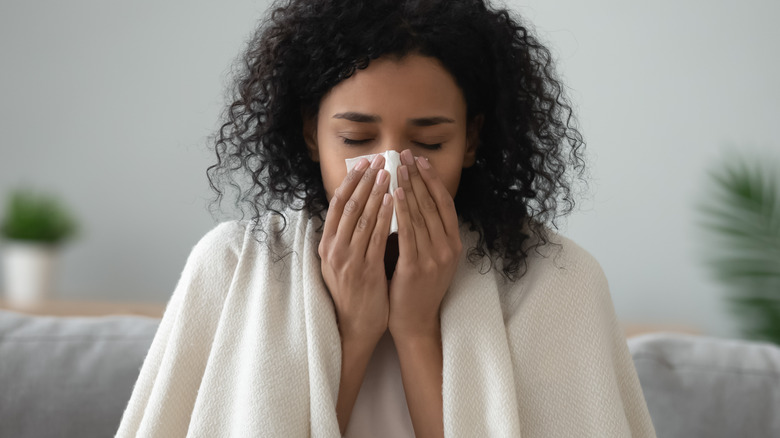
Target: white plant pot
(28,270)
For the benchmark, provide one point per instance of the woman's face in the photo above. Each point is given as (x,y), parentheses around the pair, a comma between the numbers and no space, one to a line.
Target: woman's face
(412,103)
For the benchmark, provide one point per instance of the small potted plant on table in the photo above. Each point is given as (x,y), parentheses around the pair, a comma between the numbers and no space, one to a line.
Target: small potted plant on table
(33,229)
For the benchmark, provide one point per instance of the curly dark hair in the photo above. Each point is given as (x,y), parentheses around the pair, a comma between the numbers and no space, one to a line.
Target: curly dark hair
(529,145)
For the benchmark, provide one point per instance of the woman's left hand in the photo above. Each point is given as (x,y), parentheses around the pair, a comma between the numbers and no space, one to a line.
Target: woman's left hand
(429,249)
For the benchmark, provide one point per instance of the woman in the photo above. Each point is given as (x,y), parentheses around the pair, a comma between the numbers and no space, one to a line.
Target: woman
(474,319)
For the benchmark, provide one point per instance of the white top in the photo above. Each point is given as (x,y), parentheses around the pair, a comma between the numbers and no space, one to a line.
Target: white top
(249,346)
(380,409)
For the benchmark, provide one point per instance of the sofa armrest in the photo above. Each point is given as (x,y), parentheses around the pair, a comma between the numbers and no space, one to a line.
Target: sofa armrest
(68,376)
(698,386)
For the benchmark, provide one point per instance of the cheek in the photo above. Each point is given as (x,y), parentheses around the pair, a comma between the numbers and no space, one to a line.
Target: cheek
(449,174)
(452,184)
(333,174)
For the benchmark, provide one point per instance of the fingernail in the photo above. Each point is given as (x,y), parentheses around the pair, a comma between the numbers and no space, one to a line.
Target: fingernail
(406,157)
(377,162)
(423,162)
(381,177)
(386,200)
(400,193)
(361,165)
(404,173)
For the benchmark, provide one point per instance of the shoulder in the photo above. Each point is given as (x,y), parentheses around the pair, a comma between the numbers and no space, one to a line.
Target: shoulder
(280,231)
(567,259)
(228,232)
(225,237)
(220,248)
(559,258)
(270,237)
(559,272)
(209,268)
(275,231)
(231,236)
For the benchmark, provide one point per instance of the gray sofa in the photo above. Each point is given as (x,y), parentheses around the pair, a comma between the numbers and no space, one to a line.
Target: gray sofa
(72,377)
(66,376)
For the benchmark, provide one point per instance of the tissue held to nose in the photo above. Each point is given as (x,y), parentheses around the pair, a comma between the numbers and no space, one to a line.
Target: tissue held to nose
(392,161)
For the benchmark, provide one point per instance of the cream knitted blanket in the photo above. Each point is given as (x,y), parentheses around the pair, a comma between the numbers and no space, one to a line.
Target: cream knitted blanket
(249,346)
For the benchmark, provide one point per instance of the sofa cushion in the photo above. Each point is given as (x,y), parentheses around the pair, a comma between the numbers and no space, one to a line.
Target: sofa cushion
(698,386)
(68,376)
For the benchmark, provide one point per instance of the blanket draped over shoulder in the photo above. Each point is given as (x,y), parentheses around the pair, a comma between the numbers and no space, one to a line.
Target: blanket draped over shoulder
(249,346)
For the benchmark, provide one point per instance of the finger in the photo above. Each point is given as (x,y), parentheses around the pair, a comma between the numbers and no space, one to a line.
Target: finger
(376,246)
(425,203)
(416,220)
(407,245)
(353,207)
(366,223)
(444,202)
(340,196)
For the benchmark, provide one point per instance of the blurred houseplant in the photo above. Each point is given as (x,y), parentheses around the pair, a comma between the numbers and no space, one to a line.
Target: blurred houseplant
(34,227)
(742,219)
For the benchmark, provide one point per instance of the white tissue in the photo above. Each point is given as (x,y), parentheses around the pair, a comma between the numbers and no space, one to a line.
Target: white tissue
(392,161)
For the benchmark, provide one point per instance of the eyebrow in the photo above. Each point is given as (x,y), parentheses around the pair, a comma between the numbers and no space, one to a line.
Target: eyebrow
(372,118)
(358,117)
(430,121)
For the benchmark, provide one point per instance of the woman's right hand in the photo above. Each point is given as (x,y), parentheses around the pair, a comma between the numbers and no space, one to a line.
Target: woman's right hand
(352,251)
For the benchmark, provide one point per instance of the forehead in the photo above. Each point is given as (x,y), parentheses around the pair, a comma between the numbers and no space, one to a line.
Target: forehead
(414,85)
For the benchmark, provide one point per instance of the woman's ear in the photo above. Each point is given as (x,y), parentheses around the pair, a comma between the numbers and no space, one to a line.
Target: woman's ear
(472,140)
(310,137)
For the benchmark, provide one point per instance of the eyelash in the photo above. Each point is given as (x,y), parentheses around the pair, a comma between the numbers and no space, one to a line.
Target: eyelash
(423,145)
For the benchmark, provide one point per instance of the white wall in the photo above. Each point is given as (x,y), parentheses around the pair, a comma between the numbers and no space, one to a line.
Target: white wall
(663,88)
(109,105)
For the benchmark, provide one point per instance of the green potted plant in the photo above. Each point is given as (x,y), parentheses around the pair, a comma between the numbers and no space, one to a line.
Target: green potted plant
(741,220)
(33,228)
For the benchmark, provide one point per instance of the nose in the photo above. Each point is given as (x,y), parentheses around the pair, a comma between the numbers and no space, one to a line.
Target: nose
(390,140)
(392,145)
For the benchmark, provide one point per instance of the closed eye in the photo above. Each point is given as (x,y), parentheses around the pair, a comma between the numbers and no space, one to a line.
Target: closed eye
(433,146)
(351,141)
(430,146)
